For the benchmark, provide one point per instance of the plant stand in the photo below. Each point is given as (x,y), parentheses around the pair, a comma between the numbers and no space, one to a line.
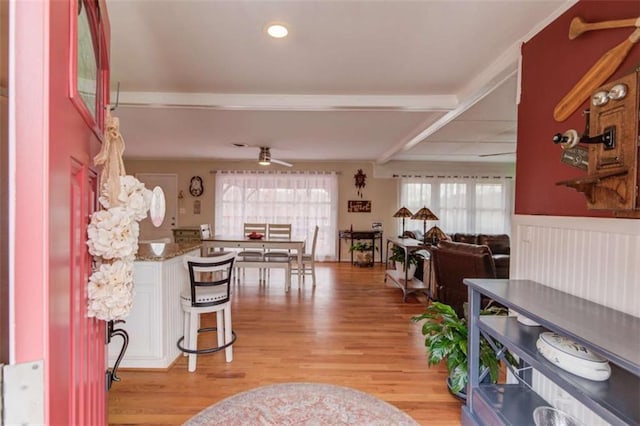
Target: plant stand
(363,258)
(400,278)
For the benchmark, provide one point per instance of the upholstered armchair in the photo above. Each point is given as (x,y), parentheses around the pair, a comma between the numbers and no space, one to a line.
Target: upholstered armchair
(454,262)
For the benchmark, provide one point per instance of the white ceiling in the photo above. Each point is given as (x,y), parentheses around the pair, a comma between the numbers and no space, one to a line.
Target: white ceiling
(354,80)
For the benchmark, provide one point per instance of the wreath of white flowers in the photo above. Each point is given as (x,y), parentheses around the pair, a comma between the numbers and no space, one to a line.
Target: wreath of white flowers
(113,241)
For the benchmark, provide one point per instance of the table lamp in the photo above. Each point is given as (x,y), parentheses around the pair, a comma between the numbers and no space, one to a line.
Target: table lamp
(403,213)
(435,235)
(424,214)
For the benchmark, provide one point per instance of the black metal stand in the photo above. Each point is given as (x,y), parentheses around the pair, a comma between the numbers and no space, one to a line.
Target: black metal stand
(361,235)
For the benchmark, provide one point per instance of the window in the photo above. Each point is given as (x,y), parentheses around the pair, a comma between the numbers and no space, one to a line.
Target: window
(89,63)
(304,199)
(469,205)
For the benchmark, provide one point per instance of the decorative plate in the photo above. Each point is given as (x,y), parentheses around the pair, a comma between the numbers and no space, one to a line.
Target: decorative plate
(573,357)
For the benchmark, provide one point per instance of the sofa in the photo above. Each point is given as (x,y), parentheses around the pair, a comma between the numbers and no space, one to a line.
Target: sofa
(499,244)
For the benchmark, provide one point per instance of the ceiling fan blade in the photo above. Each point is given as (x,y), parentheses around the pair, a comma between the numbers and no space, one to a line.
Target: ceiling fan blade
(496,154)
(282,163)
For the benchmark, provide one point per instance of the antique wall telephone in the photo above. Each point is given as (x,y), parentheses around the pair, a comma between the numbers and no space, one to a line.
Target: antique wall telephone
(611,131)
(612,136)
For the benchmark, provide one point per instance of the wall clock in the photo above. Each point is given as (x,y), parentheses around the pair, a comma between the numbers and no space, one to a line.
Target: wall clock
(195,187)
(360,179)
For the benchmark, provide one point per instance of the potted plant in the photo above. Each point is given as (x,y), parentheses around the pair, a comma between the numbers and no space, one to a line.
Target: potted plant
(363,252)
(398,256)
(446,339)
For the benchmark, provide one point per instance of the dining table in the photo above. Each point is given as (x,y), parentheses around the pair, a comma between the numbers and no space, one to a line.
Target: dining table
(243,242)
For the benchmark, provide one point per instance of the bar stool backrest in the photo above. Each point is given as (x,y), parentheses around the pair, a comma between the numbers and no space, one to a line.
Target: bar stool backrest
(210,279)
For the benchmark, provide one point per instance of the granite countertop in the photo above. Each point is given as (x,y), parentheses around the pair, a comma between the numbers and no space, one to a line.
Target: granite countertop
(160,251)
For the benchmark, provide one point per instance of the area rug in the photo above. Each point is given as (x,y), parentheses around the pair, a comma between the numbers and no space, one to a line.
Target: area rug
(301,404)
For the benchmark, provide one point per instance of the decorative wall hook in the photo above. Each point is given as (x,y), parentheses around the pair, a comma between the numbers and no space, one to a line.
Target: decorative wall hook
(113,108)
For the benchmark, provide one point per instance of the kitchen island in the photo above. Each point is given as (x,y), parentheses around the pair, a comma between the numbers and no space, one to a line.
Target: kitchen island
(155,322)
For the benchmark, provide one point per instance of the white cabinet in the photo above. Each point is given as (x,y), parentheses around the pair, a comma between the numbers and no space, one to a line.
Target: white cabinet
(155,322)
(610,333)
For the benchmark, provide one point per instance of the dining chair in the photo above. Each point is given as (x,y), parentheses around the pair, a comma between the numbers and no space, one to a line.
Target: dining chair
(259,228)
(209,291)
(205,231)
(278,231)
(308,259)
(252,255)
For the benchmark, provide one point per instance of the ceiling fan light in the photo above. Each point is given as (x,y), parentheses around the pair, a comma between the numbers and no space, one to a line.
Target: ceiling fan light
(277,30)
(264,159)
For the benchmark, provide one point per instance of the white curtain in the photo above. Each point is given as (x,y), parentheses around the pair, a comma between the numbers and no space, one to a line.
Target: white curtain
(303,199)
(463,204)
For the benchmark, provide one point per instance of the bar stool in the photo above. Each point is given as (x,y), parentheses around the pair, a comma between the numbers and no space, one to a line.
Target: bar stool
(209,291)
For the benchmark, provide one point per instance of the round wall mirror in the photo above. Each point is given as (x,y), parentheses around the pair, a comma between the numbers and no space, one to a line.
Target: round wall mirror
(158,207)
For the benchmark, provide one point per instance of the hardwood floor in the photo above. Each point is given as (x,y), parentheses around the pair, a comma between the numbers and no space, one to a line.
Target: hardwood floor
(351,330)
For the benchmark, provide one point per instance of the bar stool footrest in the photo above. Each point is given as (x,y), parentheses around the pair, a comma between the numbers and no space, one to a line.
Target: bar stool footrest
(207,350)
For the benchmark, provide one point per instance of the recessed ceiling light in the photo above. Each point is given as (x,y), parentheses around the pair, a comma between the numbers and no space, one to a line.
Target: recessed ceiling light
(277,30)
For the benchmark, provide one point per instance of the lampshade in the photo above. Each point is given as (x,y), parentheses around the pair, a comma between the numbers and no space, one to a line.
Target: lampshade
(435,234)
(424,214)
(403,212)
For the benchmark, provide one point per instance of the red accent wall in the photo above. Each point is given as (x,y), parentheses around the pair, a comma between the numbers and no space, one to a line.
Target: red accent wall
(551,65)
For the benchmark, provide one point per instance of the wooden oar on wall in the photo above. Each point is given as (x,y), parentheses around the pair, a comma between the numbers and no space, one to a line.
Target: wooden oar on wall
(578,26)
(595,77)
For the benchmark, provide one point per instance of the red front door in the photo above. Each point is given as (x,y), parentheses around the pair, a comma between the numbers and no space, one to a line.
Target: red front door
(55,192)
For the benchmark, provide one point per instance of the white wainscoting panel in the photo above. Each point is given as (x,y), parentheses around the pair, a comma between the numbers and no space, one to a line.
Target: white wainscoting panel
(594,258)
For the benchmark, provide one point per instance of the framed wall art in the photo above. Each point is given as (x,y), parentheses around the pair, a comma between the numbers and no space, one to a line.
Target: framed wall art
(359,206)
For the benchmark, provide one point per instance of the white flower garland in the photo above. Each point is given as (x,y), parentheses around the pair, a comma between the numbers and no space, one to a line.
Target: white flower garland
(113,241)
(111,290)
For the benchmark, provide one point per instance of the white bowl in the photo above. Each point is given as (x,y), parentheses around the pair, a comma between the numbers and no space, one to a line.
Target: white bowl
(549,416)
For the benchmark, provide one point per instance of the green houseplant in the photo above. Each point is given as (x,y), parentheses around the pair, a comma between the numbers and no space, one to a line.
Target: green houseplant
(413,260)
(446,339)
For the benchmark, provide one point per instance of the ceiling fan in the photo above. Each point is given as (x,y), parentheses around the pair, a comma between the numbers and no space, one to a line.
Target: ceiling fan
(264,158)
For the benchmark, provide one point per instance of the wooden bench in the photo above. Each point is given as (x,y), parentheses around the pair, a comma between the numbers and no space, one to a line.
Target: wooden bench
(267,263)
